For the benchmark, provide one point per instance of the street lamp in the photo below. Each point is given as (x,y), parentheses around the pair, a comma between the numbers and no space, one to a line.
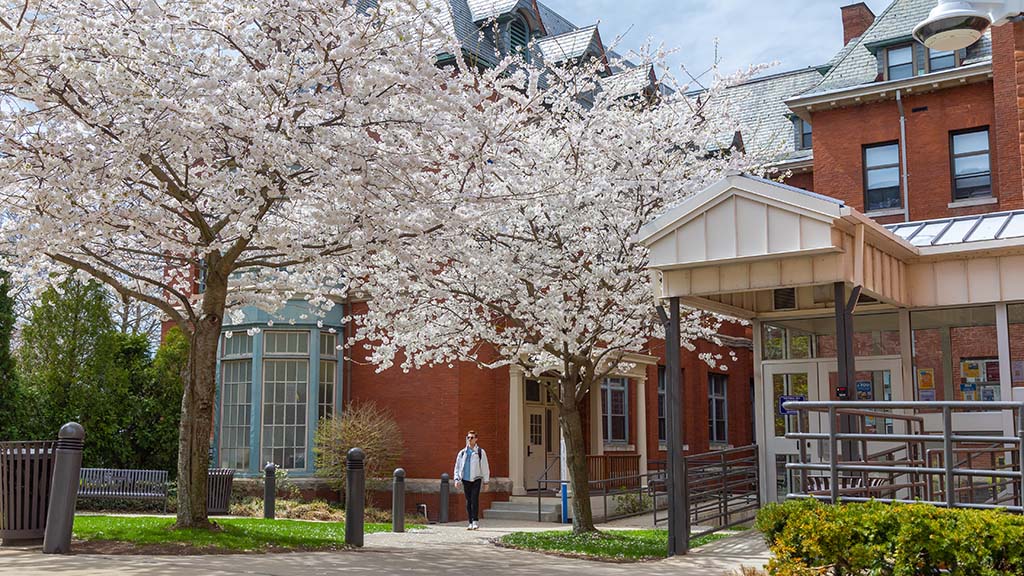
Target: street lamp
(956,24)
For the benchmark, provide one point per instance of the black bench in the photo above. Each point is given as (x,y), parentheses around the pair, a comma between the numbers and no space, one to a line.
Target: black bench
(123,484)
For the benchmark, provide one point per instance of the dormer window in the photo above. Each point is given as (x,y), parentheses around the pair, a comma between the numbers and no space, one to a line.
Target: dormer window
(519,38)
(804,140)
(899,62)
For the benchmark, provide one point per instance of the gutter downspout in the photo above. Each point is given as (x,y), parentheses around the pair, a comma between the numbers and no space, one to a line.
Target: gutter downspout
(903,158)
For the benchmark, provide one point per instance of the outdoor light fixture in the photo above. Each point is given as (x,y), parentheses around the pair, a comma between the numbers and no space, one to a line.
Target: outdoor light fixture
(955,24)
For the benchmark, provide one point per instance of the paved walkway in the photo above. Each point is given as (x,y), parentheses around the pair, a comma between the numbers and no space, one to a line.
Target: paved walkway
(437,550)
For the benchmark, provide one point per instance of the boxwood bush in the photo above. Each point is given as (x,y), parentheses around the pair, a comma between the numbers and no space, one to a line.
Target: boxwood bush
(874,539)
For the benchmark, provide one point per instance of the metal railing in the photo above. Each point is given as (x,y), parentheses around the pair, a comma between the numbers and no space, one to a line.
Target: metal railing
(917,465)
(723,487)
(634,497)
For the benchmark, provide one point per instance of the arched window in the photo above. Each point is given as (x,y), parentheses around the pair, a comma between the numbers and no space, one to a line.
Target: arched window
(519,38)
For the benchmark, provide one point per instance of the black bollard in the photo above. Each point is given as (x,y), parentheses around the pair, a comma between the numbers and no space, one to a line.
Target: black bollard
(355,496)
(398,501)
(443,519)
(67,469)
(269,491)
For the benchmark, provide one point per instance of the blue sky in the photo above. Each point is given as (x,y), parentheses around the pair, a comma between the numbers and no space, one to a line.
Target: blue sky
(793,33)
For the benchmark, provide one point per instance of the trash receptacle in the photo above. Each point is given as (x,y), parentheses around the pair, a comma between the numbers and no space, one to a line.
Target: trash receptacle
(26,473)
(218,490)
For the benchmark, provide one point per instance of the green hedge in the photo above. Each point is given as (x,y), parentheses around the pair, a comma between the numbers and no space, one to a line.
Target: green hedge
(874,539)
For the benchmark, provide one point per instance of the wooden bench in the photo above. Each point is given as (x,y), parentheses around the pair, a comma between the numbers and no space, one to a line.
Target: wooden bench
(123,484)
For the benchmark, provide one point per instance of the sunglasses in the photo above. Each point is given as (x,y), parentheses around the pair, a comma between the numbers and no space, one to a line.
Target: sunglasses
(470,437)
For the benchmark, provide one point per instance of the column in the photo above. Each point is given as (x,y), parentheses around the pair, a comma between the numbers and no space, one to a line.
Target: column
(516,438)
(641,421)
(596,420)
(1005,374)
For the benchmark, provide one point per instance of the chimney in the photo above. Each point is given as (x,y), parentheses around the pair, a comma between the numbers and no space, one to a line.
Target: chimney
(856,19)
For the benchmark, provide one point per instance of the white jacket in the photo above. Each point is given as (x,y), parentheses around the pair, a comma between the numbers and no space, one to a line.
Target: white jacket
(478,466)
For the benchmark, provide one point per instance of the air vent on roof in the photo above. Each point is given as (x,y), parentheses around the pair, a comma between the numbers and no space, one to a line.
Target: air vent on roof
(785,299)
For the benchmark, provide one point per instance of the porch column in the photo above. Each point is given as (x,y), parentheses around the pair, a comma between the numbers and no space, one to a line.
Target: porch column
(641,421)
(596,429)
(516,438)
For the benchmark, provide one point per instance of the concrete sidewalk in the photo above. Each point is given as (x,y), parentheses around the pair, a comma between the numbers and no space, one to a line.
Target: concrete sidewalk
(438,549)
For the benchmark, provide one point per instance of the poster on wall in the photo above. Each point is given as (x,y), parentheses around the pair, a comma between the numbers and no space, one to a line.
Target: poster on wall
(864,390)
(992,371)
(970,391)
(926,379)
(970,370)
(926,395)
(989,394)
(1017,369)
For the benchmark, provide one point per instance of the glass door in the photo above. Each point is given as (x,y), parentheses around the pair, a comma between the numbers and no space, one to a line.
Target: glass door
(876,379)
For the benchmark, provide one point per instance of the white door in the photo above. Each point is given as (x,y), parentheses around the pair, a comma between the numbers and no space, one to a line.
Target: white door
(536,457)
(787,381)
(878,378)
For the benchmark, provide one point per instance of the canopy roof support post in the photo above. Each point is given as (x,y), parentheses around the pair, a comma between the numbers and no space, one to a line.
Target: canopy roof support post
(847,362)
(678,490)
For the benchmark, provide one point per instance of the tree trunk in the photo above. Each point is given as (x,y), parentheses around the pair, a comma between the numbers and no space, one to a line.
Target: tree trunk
(197,410)
(576,458)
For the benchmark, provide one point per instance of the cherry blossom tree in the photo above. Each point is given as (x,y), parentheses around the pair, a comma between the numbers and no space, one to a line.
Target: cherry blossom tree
(256,144)
(552,279)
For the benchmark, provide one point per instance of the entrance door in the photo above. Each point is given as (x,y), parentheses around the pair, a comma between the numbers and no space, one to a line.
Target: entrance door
(536,440)
(787,381)
(878,378)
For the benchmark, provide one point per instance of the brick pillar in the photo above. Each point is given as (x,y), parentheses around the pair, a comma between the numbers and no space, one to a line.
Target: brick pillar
(1008,93)
(856,20)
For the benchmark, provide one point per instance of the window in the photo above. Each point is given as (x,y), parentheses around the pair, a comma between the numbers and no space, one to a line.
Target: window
(899,62)
(533,391)
(804,140)
(941,60)
(328,375)
(662,428)
(972,175)
(235,410)
(519,38)
(285,398)
(615,408)
(536,429)
(882,177)
(718,417)
(236,344)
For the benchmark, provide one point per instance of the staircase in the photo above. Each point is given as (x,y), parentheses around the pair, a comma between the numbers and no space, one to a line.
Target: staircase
(523,510)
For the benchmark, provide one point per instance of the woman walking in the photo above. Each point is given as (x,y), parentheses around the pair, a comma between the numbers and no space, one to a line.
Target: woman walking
(473,473)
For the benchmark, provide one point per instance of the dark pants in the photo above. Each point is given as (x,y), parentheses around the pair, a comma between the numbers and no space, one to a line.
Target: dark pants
(472,499)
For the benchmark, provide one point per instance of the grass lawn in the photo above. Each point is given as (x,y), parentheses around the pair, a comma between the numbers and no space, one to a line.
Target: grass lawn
(623,545)
(235,535)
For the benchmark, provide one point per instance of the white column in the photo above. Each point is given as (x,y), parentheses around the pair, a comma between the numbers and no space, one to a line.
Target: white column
(641,421)
(1005,375)
(762,418)
(516,438)
(906,393)
(596,429)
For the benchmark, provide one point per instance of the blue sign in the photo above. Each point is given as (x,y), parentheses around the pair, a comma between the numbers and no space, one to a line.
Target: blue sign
(790,398)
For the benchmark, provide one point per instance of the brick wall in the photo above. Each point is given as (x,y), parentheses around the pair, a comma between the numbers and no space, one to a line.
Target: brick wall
(803,180)
(840,134)
(856,19)
(1008,96)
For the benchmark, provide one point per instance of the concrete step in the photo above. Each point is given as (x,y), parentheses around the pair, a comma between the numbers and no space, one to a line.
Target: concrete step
(525,506)
(523,515)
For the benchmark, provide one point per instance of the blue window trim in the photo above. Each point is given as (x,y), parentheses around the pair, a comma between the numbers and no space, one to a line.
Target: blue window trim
(607,386)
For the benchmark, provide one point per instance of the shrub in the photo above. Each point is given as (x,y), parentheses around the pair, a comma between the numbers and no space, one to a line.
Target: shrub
(808,537)
(632,503)
(368,427)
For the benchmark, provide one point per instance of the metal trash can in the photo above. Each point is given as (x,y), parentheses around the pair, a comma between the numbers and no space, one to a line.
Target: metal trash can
(218,490)
(26,474)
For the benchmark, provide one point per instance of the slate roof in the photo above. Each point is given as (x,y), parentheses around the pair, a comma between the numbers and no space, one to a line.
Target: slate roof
(570,45)
(855,65)
(485,9)
(765,121)
(554,23)
(630,81)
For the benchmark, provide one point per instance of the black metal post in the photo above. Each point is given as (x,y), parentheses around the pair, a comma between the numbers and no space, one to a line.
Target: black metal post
(355,496)
(442,517)
(678,495)
(67,468)
(269,491)
(398,501)
(847,363)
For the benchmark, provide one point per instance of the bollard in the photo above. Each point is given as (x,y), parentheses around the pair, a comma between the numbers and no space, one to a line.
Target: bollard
(443,513)
(270,491)
(565,502)
(398,502)
(67,469)
(355,496)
